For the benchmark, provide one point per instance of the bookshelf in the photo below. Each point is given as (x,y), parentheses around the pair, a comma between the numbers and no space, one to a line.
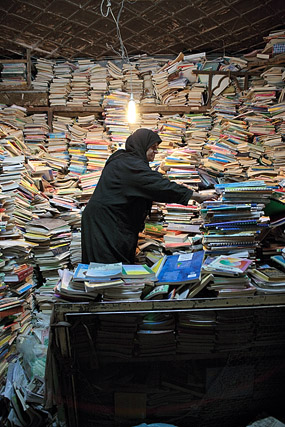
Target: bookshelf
(250,357)
(28,62)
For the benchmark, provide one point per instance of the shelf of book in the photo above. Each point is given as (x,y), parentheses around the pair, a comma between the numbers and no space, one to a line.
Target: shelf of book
(141,109)
(105,341)
(28,63)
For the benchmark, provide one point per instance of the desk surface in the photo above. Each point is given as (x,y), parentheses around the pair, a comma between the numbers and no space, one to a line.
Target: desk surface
(195,304)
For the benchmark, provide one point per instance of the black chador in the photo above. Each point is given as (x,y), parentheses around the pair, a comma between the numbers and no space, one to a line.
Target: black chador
(124,194)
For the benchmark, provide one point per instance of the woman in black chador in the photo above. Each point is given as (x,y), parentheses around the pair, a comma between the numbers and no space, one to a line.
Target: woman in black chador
(116,212)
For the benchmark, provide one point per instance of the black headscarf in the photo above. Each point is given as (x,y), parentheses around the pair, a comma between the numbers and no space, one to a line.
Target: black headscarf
(140,141)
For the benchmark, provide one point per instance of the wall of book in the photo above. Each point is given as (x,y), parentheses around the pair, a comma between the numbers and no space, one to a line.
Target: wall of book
(49,171)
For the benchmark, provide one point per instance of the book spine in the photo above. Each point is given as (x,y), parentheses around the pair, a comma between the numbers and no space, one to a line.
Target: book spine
(23,274)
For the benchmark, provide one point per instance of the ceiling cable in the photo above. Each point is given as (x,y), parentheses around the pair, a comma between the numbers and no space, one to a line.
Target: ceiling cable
(131,114)
(123,51)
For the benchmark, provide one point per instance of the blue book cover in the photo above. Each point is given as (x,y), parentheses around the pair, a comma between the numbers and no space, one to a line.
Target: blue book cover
(182,268)
(80,272)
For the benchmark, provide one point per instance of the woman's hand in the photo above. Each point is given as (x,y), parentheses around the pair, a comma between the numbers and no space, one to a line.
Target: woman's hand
(200,198)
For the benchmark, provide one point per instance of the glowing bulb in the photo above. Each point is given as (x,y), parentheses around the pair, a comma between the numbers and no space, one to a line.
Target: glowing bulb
(131,110)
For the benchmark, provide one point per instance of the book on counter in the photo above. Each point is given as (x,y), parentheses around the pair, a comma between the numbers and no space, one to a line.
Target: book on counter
(97,272)
(228,264)
(268,273)
(100,270)
(180,269)
(138,271)
(279,259)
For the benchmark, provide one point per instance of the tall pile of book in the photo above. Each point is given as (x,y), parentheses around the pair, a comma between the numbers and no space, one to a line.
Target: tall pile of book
(35,131)
(236,222)
(132,81)
(98,147)
(98,85)
(115,117)
(60,86)
(78,95)
(51,239)
(115,77)
(171,131)
(57,150)
(44,74)
(198,126)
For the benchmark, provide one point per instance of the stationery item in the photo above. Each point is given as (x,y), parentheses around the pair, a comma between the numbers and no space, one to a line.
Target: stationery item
(183,268)
(228,264)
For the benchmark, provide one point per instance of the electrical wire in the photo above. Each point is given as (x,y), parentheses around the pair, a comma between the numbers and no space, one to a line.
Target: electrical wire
(123,51)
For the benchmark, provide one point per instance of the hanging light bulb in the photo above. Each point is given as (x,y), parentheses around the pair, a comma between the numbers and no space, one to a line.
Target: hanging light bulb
(131,110)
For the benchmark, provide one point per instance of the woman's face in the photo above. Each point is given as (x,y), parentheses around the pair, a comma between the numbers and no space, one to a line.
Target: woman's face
(151,152)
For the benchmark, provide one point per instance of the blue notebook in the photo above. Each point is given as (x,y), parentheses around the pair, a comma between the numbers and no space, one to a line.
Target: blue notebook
(181,269)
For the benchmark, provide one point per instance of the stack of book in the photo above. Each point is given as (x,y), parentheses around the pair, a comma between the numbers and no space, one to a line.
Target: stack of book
(180,213)
(115,77)
(181,165)
(20,281)
(230,276)
(198,126)
(114,282)
(273,76)
(228,148)
(160,82)
(65,201)
(44,74)
(78,161)
(196,95)
(274,43)
(12,171)
(270,329)
(132,81)
(98,85)
(156,335)
(14,74)
(224,107)
(60,86)
(196,332)
(52,237)
(78,95)
(115,117)
(176,275)
(57,148)
(171,131)
(14,115)
(135,278)
(87,183)
(149,65)
(238,221)
(261,96)
(24,211)
(150,120)
(269,278)
(72,216)
(17,284)
(98,147)
(175,97)
(11,312)
(35,131)
(75,244)
(61,123)
(274,150)
(77,145)
(112,330)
